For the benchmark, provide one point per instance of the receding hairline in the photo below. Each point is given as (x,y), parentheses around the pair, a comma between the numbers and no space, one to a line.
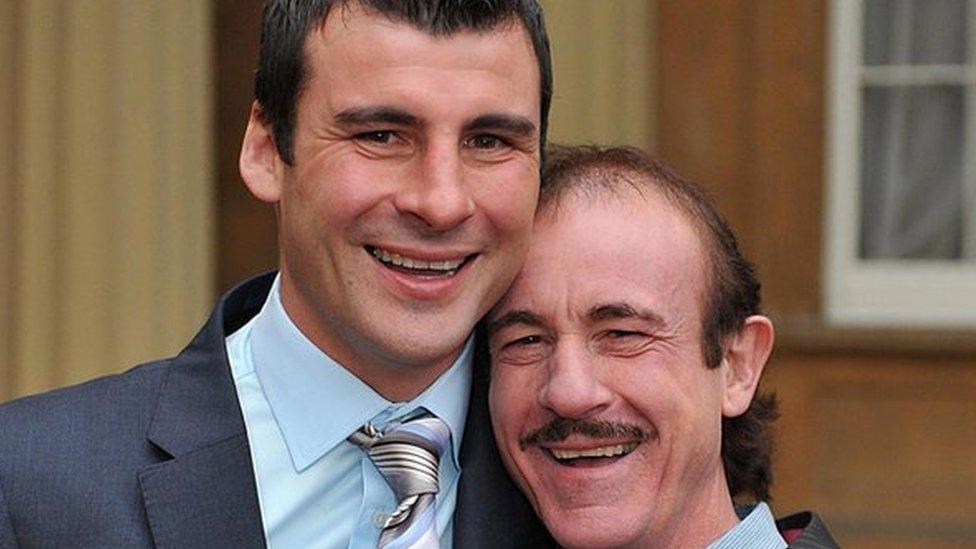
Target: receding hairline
(617,183)
(507,23)
(592,183)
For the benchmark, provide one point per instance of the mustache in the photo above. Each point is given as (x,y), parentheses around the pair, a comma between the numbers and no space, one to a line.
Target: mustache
(559,429)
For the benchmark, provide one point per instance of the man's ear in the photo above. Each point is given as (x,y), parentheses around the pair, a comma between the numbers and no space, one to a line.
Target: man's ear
(743,361)
(262,168)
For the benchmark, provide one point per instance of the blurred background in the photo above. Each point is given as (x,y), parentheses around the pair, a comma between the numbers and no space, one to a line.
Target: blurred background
(838,136)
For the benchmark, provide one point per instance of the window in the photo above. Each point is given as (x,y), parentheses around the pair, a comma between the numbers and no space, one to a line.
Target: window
(901,208)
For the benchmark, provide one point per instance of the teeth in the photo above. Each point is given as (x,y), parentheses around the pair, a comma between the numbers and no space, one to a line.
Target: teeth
(602,451)
(398,260)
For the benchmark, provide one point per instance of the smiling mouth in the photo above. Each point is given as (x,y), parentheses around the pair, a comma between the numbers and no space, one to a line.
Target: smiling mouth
(444,268)
(599,455)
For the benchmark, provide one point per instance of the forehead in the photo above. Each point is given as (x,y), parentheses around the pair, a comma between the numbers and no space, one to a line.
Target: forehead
(355,37)
(627,248)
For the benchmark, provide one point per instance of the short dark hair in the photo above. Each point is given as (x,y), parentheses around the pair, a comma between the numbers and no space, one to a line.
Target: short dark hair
(731,296)
(285,25)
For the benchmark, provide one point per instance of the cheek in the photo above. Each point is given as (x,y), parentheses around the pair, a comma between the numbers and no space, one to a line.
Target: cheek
(511,403)
(510,400)
(683,408)
(336,188)
(650,391)
(500,399)
(508,198)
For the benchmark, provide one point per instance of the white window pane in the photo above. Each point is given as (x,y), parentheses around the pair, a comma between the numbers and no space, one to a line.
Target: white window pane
(912,173)
(916,32)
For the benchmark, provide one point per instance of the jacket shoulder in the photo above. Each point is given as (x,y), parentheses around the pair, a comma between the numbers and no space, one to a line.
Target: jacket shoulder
(121,397)
(102,422)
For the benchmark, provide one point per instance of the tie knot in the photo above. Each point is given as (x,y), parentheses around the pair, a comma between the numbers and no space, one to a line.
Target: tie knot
(407,454)
(427,432)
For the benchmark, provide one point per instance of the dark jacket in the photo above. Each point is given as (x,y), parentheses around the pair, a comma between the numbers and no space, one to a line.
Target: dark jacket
(805,531)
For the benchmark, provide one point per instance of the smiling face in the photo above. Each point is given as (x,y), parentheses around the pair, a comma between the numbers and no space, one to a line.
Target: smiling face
(407,209)
(603,408)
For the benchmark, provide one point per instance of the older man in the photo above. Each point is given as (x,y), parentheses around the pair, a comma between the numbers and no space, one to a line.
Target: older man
(625,365)
(399,142)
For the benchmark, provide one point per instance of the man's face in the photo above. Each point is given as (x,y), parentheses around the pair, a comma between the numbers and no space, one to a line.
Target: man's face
(603,408)
(407,210)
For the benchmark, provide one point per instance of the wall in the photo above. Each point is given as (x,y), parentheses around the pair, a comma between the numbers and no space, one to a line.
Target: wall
(877,430)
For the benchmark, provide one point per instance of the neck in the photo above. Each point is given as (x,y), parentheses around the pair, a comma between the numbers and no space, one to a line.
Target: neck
(387,373)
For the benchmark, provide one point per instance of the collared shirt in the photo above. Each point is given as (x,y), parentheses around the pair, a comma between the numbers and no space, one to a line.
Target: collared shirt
(756,531)
(316,489)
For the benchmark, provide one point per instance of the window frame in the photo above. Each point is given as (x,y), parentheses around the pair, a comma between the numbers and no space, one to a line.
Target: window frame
(897,293)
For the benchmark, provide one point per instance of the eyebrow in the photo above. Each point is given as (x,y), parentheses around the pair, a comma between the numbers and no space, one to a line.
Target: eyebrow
(619,310)
(516,316)
(363,116)
(516,125)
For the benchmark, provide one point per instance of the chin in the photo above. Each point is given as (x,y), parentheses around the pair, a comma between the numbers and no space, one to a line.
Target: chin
(592,530)
(427,346)
(574,537)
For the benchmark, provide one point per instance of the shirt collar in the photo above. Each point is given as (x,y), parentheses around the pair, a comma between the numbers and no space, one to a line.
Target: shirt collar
(317,403)
(756,530)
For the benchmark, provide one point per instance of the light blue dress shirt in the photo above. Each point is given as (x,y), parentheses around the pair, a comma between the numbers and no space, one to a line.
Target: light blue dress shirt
(316,489)
(756,531)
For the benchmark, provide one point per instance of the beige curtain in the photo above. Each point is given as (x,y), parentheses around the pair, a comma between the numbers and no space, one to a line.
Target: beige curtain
(7,155)
(603,69)
(105,254)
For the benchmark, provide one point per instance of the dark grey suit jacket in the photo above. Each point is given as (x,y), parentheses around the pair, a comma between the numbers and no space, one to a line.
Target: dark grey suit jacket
(158,456)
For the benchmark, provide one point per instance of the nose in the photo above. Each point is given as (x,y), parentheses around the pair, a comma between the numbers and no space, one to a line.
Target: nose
(436,193)
(574,388)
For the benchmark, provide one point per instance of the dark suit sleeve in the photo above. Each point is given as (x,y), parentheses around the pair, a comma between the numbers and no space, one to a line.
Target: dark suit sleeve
(7,538)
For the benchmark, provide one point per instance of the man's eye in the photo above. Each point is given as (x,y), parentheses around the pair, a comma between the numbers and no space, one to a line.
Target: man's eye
(485,141)
(527,340)
(623,342)
(524,350)
(623,334)
(382,137)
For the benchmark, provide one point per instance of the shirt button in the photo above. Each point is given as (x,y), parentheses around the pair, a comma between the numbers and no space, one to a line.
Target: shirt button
(379,518)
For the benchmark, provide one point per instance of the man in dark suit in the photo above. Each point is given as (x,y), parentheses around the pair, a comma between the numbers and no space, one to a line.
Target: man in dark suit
(400,142)
(625,364)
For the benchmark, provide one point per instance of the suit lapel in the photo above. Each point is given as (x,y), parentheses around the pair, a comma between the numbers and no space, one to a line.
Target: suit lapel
(206,498)
(491,511)
(203,493)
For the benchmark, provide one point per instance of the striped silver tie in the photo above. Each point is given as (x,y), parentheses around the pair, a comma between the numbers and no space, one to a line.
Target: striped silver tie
(407,455)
